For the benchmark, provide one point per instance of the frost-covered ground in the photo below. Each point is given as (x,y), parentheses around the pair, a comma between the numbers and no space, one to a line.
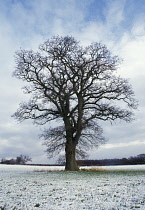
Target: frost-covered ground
(25,187)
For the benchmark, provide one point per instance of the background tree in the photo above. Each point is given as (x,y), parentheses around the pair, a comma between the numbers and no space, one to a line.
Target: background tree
(22,159)
(77,86)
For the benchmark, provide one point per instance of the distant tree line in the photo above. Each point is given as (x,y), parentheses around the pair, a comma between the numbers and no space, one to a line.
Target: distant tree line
(22,159)
(133,160)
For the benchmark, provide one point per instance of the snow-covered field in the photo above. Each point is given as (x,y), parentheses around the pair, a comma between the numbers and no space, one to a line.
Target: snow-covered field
(31,187)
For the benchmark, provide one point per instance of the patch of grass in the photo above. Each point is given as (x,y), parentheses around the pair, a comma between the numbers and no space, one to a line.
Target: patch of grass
(37,205)
(44,170)
(93,170)
(5,207)
(81,170)
(2,207)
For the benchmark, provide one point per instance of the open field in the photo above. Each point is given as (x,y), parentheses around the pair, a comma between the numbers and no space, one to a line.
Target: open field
(27,187)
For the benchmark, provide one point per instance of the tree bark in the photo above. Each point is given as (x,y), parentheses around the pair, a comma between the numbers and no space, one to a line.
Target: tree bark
(70,151)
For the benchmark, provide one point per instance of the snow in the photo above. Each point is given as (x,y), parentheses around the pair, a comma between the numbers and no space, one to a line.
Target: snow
(121,167)
(27,187)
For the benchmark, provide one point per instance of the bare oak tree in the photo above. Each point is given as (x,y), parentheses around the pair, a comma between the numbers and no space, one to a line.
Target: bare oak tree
(76,85)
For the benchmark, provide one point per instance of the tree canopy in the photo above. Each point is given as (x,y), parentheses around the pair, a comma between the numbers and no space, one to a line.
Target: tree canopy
(77,87)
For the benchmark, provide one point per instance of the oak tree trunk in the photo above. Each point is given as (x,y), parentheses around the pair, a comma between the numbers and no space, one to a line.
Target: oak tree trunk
(70,151)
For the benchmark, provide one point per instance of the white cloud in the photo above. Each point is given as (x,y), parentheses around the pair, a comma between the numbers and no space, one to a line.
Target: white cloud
(120,145)
(114,13)
(27,24)
(132,50)
(120,150)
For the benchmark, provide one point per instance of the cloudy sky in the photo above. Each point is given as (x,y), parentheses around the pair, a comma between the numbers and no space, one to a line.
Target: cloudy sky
(120,24)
